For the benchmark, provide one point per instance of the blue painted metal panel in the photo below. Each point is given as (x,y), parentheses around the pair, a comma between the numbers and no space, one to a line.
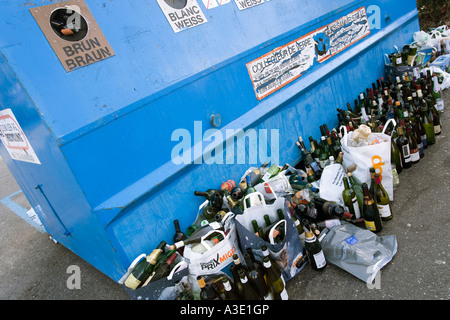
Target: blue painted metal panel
(103,132)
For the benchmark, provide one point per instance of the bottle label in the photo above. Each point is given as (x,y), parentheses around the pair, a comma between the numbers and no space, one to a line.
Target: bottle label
(385,210)
(406,153)
(132,282)
(415,155)
(319,258)
(332,223)
(424,140)
(370,225)
(356,208)
(420,146)
(437,129)
(440,105)
(315,166)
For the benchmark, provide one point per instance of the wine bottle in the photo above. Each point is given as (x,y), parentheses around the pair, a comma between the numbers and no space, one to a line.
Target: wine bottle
(309,160)
(274,280)
(418,137)
(314,251)
(215,197)
(297,223)
(271,172)
(229,293)
(329,209)
(427,121)
(396,160)
(350,200)
(207,291)
(237,193)
(356,186)
(372,181)
(183,293)
(256,279)
(144,268)
(403,146)
(238,286)
(324,152)
(413,147)
(250,292)
(196,237)
(382,200)
(179,235)
(163,269)
(258,264)
(372,219)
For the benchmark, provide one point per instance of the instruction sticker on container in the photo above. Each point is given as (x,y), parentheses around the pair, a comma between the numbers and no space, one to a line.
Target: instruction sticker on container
(285,64)
(73,33)
(182,17)
(14,139)
(245,4)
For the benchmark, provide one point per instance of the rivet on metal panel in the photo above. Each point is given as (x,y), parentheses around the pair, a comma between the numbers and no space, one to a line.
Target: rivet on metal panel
(216,120)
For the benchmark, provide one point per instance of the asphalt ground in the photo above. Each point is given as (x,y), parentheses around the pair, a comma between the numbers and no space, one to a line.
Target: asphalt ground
(33,267)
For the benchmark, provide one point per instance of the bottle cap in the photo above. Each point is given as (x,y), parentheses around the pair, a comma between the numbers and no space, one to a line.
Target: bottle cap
(201,281)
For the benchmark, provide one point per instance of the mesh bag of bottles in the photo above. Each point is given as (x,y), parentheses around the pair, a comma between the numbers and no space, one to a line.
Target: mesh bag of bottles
(280,237)
(369,149)
(358,251)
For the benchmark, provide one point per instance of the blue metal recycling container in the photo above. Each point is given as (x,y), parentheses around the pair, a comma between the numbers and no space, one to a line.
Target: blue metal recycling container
(114,112)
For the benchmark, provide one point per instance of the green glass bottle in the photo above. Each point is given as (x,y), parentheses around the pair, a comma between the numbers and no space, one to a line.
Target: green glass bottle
(271,172)
(382,200)
(163,269)
(256,279)
(427,121)
(249,291)
(372,219)
(144,268)
(238,287)
(207,291)
(356,186)
(275,280)
(396,160)
(350,199)
(229,293)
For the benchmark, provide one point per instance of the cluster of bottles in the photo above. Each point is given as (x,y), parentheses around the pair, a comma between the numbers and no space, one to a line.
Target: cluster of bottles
(413,103)
(253,280)
(155,266)
(408,56)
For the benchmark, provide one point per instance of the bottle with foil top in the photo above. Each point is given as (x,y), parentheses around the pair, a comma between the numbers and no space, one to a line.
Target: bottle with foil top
(144,268)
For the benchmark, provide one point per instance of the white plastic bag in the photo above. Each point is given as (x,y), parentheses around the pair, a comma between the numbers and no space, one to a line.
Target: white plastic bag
(332,184)
(377,156)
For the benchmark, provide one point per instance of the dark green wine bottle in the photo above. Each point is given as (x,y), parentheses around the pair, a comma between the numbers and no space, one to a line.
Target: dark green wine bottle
(144,268)
(372,219)
(382,200)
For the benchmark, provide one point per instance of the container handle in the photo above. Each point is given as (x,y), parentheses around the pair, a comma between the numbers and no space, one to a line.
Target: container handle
(387,123)
(131,267)
(178,267)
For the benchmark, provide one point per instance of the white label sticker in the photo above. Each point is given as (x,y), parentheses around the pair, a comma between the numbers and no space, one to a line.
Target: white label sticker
(183,18)
(209,4)
(14,139)
(245,4)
